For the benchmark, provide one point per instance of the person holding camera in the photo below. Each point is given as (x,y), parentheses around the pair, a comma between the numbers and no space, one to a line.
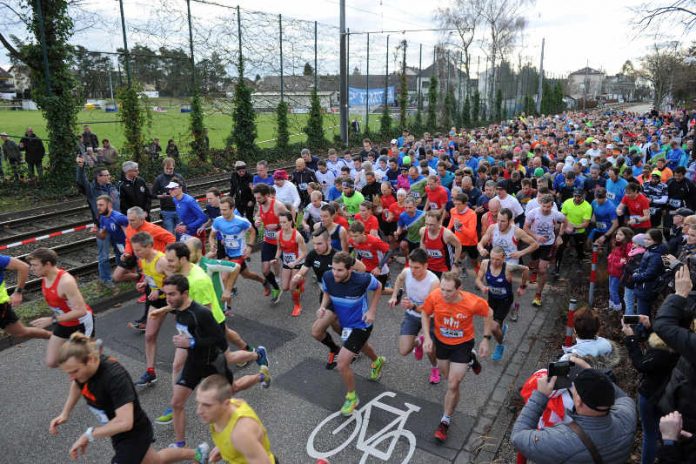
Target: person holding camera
(673,323)
(654,364)
(601,429)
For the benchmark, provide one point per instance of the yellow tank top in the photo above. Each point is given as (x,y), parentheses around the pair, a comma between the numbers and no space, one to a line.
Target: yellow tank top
(223,441)
(4,296)
(154,279)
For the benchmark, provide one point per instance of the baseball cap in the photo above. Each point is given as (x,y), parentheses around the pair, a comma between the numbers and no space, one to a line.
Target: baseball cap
(600,192)
(656,173)
(578,192)
(406,160)
(240,164)
(595,388)
(501,184)
(684,212)
(539,172)
(394,141)
(172,185)
(280,174)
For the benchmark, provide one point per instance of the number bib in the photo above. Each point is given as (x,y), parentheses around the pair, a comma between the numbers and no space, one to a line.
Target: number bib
(56,311)
(270,234)
(611,195)
(231,241)
(675,203)
(345,333)
(183,330)
(289,257)
(101,416)
(451,333)
(184,237)
(500,291)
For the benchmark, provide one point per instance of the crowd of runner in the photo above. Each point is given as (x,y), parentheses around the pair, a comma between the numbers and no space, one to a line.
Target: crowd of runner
(506,206)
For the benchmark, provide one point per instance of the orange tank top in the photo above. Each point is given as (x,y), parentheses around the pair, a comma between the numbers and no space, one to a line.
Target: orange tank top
(270,218)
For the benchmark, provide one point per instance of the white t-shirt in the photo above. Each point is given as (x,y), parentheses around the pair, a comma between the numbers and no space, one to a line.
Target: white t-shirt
(534,203)
(326,180)
(512,204)
(544,224)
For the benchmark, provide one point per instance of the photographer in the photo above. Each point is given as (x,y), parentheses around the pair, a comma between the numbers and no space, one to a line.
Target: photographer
(655,366)
(601,429)
(673,324)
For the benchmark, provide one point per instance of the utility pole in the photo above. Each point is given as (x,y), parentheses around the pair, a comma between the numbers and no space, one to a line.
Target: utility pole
(540,86)
(125,44)
(343,91)
(367,87)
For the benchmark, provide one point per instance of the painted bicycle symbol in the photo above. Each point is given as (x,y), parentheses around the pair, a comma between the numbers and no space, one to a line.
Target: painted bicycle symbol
(359,421)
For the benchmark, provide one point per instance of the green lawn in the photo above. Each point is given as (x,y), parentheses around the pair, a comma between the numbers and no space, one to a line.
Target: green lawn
(171,124)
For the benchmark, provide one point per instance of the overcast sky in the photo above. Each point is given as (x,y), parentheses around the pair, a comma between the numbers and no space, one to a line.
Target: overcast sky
(601,33)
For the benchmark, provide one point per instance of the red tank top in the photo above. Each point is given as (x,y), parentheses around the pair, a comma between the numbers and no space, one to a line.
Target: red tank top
(57,303)
(438,251)
(270,218)
(289,248)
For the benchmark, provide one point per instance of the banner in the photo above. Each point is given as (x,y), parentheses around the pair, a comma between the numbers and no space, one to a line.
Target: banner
(374,97)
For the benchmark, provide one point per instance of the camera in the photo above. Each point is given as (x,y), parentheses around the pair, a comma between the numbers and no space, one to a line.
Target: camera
(560,368)
(631,320)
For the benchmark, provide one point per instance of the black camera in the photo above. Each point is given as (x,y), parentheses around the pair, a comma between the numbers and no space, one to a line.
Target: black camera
(560,368)
(631,320)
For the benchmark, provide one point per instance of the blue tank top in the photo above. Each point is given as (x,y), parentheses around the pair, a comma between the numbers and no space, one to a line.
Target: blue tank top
(499,288)
(336,238)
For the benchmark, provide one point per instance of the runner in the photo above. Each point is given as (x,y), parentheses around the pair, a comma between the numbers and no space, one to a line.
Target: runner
(230,231)
(9,321)
(202,340)
(411,288)
(463,223)
(191,216)
(373,252)
(154,266)
(108,390)
(269,210)
(337,233)
(409,225)
(440,244)
(235,428)
(291,252)
(453,312)
(346,290)
(544,225)
(70,312)
(506,235)
(368,219)
(495,280)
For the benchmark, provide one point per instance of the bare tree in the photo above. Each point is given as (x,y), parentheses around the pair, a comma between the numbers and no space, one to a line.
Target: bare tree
(652,15)
(465,18)
(658,68)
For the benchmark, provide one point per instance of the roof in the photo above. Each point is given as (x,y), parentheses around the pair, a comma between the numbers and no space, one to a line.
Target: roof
(585,71)
(4,74)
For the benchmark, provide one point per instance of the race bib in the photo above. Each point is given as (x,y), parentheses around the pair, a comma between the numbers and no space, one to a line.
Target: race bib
(415,195)
(289,257)
(303,186)
(120,247)
(611,195)
(434,253)
(101,416)
(637,219)
(183,330)
(150,282)
(184,237)
(231,241)
(434,206)
(500,291)
(674,203)
(345,333)
(451,333)
(270,234)
(602,225)
(56,311)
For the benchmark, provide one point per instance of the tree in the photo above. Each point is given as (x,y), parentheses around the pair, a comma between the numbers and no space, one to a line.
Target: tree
(547,103)
(282,132)
(475,107)
(449,110)
(308,70)
(199,144)
(385,122)
(431,120)
(315,123)
(466,112)
(244,133)
(403,88)
(134,115)
(652,17)
(211,75)
(528,107)
(658,68)
(55,93)
(499,116)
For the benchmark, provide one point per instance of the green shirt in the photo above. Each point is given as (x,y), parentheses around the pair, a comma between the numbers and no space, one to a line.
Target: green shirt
(215,268)
(352,204)
(577,214)
(201,291)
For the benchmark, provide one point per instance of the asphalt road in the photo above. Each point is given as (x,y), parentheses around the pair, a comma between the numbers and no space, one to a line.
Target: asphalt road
(302,395)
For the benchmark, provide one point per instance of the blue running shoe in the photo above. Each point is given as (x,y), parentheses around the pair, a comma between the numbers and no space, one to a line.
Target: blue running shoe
(498,353)
(262,360)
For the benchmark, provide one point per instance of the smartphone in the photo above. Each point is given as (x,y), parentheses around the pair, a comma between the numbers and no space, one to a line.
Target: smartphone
(631,320)
(560,368)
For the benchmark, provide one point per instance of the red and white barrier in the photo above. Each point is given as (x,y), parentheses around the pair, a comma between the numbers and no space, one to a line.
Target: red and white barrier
(593,273)
(45,237)
(570,322)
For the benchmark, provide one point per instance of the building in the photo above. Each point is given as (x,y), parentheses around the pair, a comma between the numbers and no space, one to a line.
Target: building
(620,87)
(7,85)
(586,83)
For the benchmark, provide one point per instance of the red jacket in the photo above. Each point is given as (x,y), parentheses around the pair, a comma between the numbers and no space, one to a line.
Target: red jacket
(617,259)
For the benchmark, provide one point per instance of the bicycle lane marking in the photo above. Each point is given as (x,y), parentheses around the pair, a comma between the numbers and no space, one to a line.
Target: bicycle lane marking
(309,381)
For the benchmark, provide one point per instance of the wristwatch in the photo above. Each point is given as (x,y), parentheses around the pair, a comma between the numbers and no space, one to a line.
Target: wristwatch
(89,434)
(54,318)
(488,337)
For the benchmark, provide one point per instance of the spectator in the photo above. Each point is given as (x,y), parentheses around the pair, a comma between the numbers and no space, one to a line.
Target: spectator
(650,268)
(241,184)
(676,235)
(34,152)
(604,415)
(655,366)
(89,138)
(172,150)
(635,255)
(154,149)
(12,154)
(133,189)
(108,155)
(616,261)
(672,431)
(159,190)
(587,342)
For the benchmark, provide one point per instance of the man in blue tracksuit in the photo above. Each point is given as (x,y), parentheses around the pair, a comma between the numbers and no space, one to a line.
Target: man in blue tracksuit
(191,216)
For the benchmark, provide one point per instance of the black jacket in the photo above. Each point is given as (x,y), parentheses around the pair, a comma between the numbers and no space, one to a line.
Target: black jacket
(672,324)
(650,268)
(241,191)
(134,193)
(158,188)
(654,365)
(34,148)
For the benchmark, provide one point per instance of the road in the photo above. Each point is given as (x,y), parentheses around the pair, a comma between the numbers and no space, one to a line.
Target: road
(303,393)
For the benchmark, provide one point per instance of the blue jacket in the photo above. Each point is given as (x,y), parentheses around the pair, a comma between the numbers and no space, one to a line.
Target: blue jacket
(93,189)
(650,268)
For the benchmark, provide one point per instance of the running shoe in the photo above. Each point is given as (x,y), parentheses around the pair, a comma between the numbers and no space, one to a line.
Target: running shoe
(166,418)
(266,382)
(376,368)
(474,363)
(498,353)
(533,278)
(331,361)
(441,432)
(146,380)
(296,310)
(537,301)
(262,360)
(349,405)
(137,325)
(202,453)
(275,295)
(418,350)
(434,376)
(515,313)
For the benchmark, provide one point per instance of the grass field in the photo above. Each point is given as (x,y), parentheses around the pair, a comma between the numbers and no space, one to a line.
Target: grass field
(171,124)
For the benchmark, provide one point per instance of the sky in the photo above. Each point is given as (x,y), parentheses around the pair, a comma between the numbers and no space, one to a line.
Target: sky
(600,33)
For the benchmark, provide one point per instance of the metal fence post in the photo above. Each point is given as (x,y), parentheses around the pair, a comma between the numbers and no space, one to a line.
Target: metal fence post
(386,73)
(44,49)
(316,62)
(280,43)
(570,322)
(125,44)
(367,88)
(193,62)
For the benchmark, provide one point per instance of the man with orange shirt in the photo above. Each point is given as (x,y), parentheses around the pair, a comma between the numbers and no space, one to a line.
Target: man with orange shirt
(372,251)
(463,223)
(127,268)
(452,311)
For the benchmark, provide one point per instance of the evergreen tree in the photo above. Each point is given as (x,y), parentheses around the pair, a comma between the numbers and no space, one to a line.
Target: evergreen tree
(199,145)
(315,123)
(559,105)
(431,121)
(528,106)
(134,114)
(475,107)
(466,112)
(244,119)
(547,98)
(282,132)
(448,110)
(499,116)
(418,121)
(385,122)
